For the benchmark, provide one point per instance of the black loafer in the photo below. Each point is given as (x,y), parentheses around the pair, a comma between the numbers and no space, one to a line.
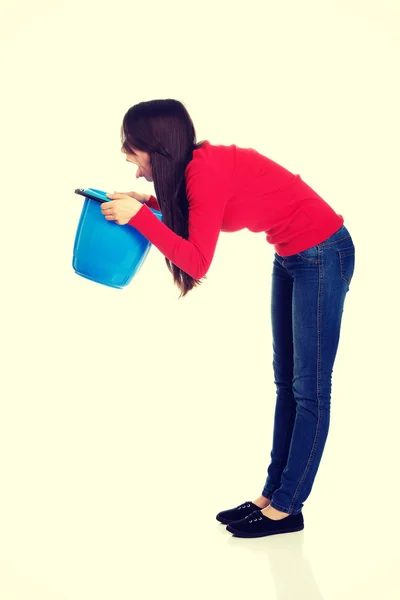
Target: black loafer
(257,525)
(234,514)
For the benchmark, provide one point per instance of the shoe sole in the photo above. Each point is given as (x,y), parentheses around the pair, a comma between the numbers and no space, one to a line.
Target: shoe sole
(244,534)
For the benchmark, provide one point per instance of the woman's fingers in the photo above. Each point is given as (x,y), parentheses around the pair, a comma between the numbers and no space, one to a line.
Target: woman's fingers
(136,195)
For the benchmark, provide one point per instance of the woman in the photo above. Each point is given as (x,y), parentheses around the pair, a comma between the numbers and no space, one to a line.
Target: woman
(203,189)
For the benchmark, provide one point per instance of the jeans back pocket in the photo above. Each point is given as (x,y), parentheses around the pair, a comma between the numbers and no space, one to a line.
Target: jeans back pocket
(347,263)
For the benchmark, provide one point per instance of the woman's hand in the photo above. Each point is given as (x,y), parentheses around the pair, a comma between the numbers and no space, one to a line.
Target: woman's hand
(137,195)
(121,208)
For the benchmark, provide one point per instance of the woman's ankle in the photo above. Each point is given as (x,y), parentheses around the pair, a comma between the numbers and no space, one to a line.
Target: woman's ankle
(262,502)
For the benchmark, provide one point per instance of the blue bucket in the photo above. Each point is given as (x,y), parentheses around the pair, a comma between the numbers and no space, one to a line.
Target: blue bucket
(104,251)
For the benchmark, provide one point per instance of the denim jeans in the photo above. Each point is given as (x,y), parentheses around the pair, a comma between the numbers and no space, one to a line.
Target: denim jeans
(307,301)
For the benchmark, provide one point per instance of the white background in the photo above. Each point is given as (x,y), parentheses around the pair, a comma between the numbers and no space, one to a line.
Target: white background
(129,418)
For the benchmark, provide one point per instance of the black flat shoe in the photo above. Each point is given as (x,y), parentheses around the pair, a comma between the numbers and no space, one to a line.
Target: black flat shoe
(234,514)
(257,525)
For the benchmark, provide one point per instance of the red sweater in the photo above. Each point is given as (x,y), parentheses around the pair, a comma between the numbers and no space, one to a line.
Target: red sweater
(229,189)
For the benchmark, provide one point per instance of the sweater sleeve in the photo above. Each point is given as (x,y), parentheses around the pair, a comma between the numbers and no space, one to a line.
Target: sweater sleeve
(207,200)
(152,202)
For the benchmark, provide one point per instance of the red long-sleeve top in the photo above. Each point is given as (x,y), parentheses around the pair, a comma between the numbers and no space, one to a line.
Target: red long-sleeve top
(231,188)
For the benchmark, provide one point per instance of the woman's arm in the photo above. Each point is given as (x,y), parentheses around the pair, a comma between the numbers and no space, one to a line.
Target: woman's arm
(207,196)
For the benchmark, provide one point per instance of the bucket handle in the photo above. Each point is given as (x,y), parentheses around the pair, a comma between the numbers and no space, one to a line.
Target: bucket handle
(91,194)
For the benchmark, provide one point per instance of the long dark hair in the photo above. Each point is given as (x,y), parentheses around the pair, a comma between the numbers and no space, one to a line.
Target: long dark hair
(164,129)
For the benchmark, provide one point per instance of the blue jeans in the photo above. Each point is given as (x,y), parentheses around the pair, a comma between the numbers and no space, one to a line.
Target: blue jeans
(308,293)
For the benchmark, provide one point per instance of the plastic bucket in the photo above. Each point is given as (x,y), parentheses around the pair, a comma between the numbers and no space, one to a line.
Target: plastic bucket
(104,251)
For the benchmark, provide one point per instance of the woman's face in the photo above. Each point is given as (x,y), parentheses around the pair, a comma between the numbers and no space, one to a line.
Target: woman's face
(142,160)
